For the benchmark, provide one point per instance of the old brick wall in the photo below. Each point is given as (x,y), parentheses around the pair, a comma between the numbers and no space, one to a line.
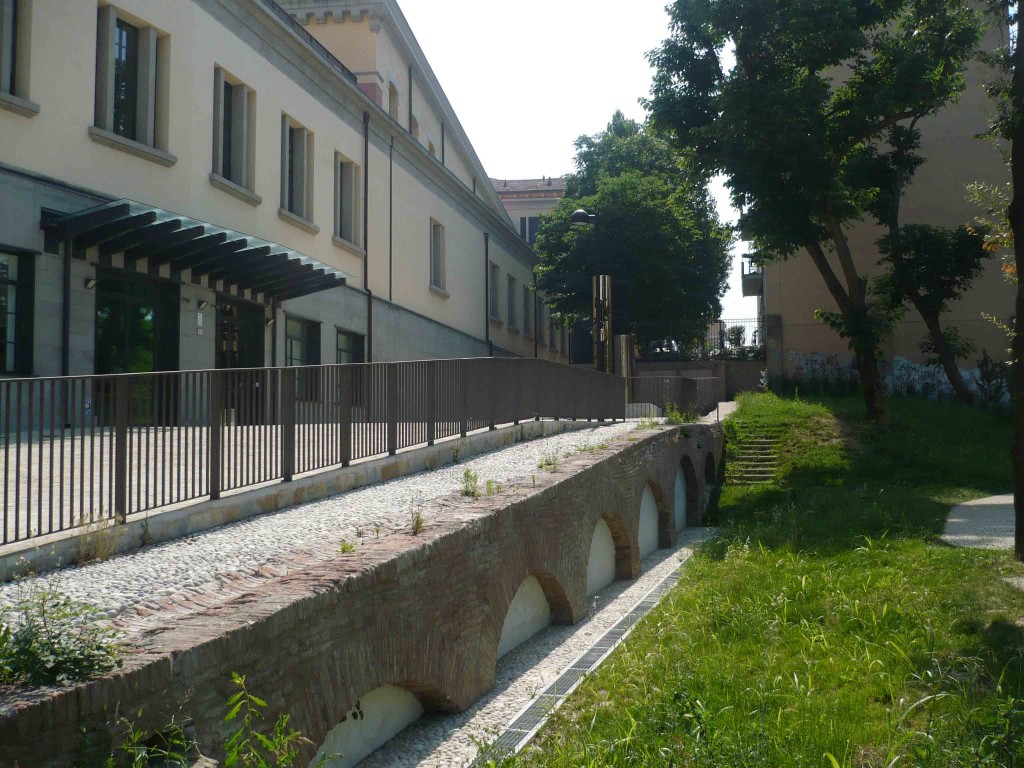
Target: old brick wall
(421,612)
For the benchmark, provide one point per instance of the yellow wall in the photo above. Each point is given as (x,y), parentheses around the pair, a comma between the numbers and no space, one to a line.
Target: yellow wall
(56,143)
(954,158)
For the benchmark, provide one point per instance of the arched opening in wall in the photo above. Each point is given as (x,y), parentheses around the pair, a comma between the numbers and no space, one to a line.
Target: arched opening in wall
(431,148)
(691,506)
(710,476)
(601,563)
(648,532)
(414,128)
(393,101)
(377,718)
(679,500)
(539,600)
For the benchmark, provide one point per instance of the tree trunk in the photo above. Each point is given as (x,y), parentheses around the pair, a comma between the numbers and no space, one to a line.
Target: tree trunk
(931,321)
(871,386)
(1016,216)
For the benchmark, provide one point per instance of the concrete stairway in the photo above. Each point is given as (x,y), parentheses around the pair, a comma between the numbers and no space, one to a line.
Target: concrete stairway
(754,458)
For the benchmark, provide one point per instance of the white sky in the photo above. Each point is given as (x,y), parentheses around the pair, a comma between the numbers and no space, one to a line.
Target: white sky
(527,78)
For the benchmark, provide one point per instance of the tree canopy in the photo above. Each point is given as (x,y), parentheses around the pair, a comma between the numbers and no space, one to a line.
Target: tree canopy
(656,232)
(815,87)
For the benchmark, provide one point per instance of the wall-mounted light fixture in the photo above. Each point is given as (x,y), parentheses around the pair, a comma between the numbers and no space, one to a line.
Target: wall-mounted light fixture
(270,321)
(203,304)
(90,283)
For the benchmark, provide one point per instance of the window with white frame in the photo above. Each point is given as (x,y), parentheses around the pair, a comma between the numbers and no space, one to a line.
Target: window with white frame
(437,256)
(15,38)
(494,292)
(296,169)
(131,91)
(234,127)
(511,302)
(347,200)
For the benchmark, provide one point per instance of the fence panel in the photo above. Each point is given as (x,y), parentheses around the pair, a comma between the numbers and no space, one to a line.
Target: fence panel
(81,450)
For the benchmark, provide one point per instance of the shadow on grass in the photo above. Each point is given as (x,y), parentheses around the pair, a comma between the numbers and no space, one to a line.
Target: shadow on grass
(842,479)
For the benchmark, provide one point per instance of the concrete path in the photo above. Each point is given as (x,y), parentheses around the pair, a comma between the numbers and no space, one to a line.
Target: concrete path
(983,523)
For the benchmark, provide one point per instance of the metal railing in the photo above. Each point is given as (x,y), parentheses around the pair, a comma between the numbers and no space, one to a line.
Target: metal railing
(651,396)
(81,450)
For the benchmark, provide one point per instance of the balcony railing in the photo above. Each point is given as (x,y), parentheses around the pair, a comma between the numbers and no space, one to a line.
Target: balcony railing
(83,450)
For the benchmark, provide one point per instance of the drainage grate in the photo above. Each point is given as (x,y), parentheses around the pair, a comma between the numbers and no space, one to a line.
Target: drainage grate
(529,720)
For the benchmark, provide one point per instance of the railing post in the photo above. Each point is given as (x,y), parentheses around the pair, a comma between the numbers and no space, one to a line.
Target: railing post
(431,409)
(213,443)
(463,396)
(495,382)
(122,397)
(288,405)
(392,407)
(345,413)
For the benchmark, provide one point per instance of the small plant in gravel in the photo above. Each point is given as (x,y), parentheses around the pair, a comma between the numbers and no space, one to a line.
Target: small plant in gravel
(492,487)
(47,637)
(346,547)
(548,460)
(416,522)
(675,416)
(470,483)
(646,423)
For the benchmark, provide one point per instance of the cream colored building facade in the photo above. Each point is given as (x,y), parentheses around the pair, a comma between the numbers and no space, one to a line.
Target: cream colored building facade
(799,344)
(260,183)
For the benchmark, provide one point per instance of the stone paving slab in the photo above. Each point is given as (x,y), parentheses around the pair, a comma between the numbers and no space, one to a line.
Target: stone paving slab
(983,523)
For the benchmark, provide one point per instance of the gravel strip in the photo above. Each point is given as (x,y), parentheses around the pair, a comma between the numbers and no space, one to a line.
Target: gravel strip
(139,588)
(443,741)
(983,523)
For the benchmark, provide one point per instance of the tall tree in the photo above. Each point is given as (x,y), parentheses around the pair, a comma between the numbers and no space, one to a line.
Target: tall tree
(816,85)
(1007,91)
(657,233)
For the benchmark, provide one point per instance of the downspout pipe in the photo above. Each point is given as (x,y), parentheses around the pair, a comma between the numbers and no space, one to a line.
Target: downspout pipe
(487,294)
(366,237)
(391,219)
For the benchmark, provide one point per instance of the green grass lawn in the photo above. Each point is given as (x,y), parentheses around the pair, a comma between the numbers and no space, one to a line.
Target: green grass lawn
(827,625)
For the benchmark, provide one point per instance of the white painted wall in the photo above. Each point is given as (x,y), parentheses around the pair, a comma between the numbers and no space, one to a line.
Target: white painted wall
(601,565)
(528,614)
(679,500)
(648,523)
(386,711)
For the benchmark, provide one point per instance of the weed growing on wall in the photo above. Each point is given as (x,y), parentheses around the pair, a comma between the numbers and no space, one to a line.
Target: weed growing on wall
(46,637)
(346,547)
(470,483)
(492,487)
(416,522)
(646,423)
(548,461)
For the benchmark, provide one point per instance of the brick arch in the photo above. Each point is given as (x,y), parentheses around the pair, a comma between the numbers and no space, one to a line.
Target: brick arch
(692,495)
(666,532)
(625,552)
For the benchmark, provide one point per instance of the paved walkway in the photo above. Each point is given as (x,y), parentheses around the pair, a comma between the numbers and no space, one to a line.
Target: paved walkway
(984,523)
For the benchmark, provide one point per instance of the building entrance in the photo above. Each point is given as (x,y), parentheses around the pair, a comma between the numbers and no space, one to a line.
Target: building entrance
(240,344)
(136,323)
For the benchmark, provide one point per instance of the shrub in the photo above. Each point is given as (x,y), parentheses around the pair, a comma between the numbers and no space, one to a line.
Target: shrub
(46,637)
(470,483)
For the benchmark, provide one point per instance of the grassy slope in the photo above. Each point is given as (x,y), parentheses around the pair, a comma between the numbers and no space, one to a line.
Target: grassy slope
(827,625)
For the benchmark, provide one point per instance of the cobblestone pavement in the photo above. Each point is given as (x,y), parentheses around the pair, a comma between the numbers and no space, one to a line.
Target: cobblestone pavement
(142,589)
(445,741)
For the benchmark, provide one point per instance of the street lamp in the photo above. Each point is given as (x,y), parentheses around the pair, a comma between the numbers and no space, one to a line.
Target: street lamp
(601,314)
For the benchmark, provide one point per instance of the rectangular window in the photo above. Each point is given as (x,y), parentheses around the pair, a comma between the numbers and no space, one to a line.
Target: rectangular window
(437,256)
(233,135)
(15,18)
(296,169)
(131,92)
(301,342)
(532,225)
(126,79)
(350,347)
(8,310)
(348,200)
(494,292)
(522,227)
(511,302)
(527,311)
